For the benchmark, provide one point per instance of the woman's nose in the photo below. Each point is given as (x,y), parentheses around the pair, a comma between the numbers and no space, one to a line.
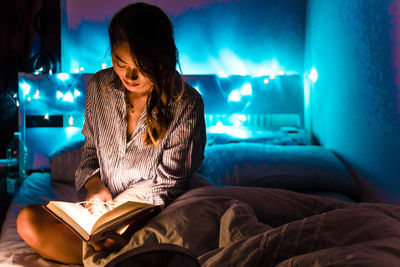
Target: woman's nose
(132,74)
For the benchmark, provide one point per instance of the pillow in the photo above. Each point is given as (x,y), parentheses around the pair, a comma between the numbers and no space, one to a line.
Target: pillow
(64,161)
(272,136)
(298,168)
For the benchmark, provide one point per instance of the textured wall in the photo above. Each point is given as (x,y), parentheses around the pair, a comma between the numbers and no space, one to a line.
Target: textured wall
(237,36)
(355,103)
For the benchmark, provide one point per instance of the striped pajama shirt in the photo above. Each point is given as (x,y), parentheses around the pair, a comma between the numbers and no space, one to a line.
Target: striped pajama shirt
(156,173)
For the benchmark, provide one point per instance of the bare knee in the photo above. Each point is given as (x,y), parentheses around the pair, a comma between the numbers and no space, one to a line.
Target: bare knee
(29,221)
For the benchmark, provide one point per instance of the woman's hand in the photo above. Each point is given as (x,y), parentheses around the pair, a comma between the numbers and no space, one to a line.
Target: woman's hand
(96,195)
(112,241)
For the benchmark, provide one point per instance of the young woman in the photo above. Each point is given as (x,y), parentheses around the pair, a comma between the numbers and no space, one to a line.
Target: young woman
(144,130)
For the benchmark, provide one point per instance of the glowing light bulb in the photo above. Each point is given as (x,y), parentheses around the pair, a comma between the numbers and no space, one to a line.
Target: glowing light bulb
(68,97)
(50,72)
(81,69)
(246,89)
(36,95)
(76,70)
(17,103)
(63,76)
(25,88)
(71,121)
(234,96)
(29,98)
(222,74)
(313,76)
(273,76)
(77,93)
(59,94)
(103,66)
(218,128)
(242,117)
(281,72)
(46,116)
(266,80)
(237,123)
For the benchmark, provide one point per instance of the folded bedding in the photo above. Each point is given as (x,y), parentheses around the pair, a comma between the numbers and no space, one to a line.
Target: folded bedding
(246,226)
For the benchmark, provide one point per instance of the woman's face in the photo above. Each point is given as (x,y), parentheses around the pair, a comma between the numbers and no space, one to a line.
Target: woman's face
(125,68)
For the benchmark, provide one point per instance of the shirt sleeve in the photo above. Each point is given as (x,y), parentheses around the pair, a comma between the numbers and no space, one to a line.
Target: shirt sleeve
(89,164)
(183,154)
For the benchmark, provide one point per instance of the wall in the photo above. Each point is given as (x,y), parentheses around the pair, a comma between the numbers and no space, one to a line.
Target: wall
(237,36)
(355,103)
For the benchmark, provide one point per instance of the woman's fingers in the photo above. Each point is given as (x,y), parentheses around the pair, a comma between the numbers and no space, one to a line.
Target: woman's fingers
(98,198)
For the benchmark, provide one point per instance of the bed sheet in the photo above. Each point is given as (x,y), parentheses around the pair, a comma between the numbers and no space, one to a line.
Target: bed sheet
(37,188)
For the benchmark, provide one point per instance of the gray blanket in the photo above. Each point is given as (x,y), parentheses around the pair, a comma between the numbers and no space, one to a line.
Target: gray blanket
(245,226)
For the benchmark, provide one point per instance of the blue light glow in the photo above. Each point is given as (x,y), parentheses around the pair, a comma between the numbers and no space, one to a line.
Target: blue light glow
(72,132)
(234,96)
(242,117)
(46,116)
(197,88)
(235,131)
(25,88)
(68,97)
(222,74)
(63,76)
(71,121)
(104,66)
(246,89)
(266,80)
(29,98)
(313,76)
(272,77)
(237,123)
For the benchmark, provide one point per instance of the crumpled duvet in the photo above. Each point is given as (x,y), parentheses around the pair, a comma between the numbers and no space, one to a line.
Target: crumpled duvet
(245,226)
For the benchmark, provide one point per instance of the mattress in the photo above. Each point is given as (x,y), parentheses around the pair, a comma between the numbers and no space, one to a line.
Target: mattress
(37,188)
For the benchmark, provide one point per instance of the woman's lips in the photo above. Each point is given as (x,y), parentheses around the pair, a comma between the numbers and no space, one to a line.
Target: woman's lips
(130,84)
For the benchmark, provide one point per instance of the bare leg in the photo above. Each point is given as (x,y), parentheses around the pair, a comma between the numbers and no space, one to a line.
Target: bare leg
(47,236)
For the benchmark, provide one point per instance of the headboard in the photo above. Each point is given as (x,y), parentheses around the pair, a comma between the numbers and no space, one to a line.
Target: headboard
(51,106)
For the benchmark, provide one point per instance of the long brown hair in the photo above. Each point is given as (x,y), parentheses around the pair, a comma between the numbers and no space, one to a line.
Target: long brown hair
(150,35)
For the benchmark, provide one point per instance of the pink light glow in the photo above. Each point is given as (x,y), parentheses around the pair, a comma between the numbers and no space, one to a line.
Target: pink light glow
(101,10)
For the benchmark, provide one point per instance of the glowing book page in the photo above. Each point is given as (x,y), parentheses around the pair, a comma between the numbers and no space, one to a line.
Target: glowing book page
(75,215)
(90,227)
(120,215)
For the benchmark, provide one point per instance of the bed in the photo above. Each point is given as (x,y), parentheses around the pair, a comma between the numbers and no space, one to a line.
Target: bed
(263,196)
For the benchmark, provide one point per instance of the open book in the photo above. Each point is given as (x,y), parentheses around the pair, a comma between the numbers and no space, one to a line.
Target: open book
(90,227)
